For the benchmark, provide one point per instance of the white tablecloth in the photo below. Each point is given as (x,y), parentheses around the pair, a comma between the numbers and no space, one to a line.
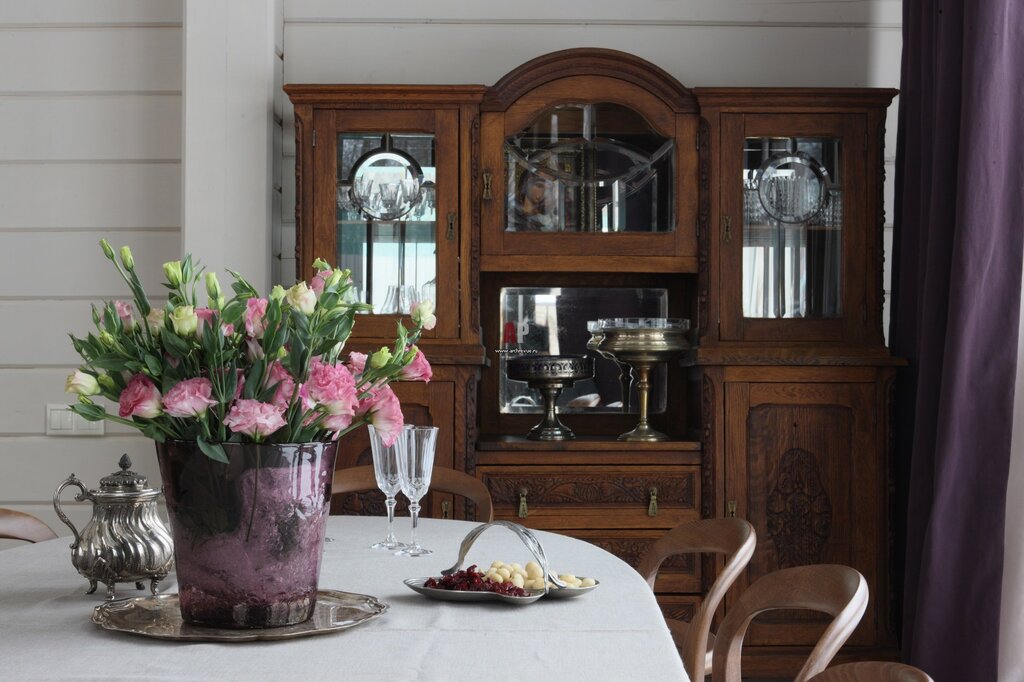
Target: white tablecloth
(616,632)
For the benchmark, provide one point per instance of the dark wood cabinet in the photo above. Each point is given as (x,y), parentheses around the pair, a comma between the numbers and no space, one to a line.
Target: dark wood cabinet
(756,213)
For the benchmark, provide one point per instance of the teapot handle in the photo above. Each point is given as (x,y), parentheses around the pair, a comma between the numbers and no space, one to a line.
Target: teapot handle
(70,480)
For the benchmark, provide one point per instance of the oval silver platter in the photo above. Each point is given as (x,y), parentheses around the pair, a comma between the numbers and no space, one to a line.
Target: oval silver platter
(416,584)
(568,592)
(158,616)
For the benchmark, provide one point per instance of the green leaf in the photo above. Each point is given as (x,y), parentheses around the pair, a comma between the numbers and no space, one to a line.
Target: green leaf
(214,451)
(90,413)
(176,346)
(154,365)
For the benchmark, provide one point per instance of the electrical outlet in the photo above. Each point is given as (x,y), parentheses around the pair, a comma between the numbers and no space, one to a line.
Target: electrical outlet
(61,421)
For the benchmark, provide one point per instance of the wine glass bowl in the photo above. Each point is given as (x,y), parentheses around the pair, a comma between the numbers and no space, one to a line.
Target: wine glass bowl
(415,466)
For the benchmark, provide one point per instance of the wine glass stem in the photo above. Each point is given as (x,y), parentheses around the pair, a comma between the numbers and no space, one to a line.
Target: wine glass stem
(414,512)
(391,502)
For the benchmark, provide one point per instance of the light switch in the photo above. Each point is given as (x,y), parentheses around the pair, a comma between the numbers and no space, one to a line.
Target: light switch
(61,421)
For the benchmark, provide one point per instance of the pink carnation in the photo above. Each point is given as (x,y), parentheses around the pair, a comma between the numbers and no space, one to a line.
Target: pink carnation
(124,311)
(357,361)
(319,281)
(189,398)
(254,419)
(333,387)
(140,398)
(384,412)
(418,369)
(278,376)
(255,317)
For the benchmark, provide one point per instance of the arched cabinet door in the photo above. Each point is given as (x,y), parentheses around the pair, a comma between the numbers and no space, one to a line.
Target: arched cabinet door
(588,153)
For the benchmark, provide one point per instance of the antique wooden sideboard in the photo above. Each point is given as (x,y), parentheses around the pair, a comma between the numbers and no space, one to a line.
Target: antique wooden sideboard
(591,184)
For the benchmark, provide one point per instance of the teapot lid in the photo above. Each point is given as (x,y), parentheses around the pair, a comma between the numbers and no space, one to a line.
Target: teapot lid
(124,480)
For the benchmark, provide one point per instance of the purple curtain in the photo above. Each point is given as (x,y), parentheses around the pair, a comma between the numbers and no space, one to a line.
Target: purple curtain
(956,300)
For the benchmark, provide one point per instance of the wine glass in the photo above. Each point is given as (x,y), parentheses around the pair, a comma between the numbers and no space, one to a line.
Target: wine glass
(415,465)
(386,470)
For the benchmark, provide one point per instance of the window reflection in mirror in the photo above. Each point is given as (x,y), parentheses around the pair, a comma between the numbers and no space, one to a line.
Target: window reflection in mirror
(589,168)
(553,321)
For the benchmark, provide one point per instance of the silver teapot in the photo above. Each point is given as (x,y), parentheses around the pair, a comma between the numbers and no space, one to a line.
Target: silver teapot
(125,540)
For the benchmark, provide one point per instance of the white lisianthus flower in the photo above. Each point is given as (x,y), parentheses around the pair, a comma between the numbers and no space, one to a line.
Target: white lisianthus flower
(155,320)
(302,298)
(81,383)
(423,314)
(184,320)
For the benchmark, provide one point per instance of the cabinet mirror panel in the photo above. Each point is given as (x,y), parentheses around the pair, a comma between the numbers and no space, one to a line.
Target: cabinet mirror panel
(589,168)
(792,227)
(553,321)
(386,217)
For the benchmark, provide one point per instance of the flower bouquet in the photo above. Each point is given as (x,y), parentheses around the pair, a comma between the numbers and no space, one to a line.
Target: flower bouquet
(245,399)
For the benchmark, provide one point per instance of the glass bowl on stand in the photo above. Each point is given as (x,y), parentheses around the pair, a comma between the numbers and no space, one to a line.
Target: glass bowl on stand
(642,343)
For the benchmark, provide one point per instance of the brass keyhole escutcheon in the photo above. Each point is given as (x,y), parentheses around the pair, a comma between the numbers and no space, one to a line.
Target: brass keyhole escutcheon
(523,511)
(444,510)
(487,178)
(652,507)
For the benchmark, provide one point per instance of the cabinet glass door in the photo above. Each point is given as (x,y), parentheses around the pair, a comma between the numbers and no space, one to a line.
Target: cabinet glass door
(792,227)
(388,188)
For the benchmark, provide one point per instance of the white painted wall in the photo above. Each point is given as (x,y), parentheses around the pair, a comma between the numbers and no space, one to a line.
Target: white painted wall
(90,142)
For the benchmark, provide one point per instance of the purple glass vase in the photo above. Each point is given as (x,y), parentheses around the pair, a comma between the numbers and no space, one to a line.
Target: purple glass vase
(249,534)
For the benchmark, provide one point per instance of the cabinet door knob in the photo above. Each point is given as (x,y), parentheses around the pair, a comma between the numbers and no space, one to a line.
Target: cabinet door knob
(444,509)
(487,177)
(523,511)
(652,507)
(450,234)
(731,508)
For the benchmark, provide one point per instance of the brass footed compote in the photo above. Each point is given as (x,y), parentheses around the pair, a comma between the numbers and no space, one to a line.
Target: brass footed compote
(549,374)
(643,343)
(625,371)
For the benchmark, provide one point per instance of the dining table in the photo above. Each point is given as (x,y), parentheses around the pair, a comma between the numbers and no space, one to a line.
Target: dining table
(614,631)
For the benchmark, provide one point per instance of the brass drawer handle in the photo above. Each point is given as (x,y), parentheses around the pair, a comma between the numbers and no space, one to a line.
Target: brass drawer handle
(444,509)
(487,178)
(652,507)
(523,511)
(731,507)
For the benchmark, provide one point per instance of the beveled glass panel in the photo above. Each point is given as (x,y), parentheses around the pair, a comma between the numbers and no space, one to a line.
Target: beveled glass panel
(589,168)
(792,227)
(553,321)
(386,217)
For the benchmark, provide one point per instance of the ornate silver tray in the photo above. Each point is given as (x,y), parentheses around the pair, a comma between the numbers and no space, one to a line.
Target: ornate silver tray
(158,616)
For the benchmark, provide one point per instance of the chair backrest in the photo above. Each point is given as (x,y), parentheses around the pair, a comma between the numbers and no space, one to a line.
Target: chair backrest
(730,536)
(16,525)
(839,591)
(872,671)
(442,479)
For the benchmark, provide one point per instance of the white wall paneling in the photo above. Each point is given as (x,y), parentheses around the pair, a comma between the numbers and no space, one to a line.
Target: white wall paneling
(90,148)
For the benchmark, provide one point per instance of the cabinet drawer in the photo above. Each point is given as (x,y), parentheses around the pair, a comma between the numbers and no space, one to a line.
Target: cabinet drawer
(680,573)
(593,497)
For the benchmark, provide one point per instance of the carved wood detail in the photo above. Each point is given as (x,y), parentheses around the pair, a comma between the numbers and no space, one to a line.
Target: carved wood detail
(879,284)
(799,511)
(677,611)
(299,195)
(707,447)
(703,224)
(474,240)
(631,549)
(592,489)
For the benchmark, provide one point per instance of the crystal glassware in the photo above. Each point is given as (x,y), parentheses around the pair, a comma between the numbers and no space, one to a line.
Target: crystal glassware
(386,470)
(415,465)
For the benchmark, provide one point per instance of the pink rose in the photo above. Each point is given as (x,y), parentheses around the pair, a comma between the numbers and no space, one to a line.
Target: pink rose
(333,387)
(205,316)
(278,376)
(140,398)
(254,419)
(189,398)
(255,317)
(357,361)
(384,412)
(319,281)
(124,311)
(418,369)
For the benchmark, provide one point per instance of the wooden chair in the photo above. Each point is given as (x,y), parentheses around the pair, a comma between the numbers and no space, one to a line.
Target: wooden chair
(16,525)
(872,671)
(442,479)
(732,537)
(839,591)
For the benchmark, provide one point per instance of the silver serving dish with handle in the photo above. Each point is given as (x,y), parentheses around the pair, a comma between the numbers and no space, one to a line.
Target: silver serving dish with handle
(125,541)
